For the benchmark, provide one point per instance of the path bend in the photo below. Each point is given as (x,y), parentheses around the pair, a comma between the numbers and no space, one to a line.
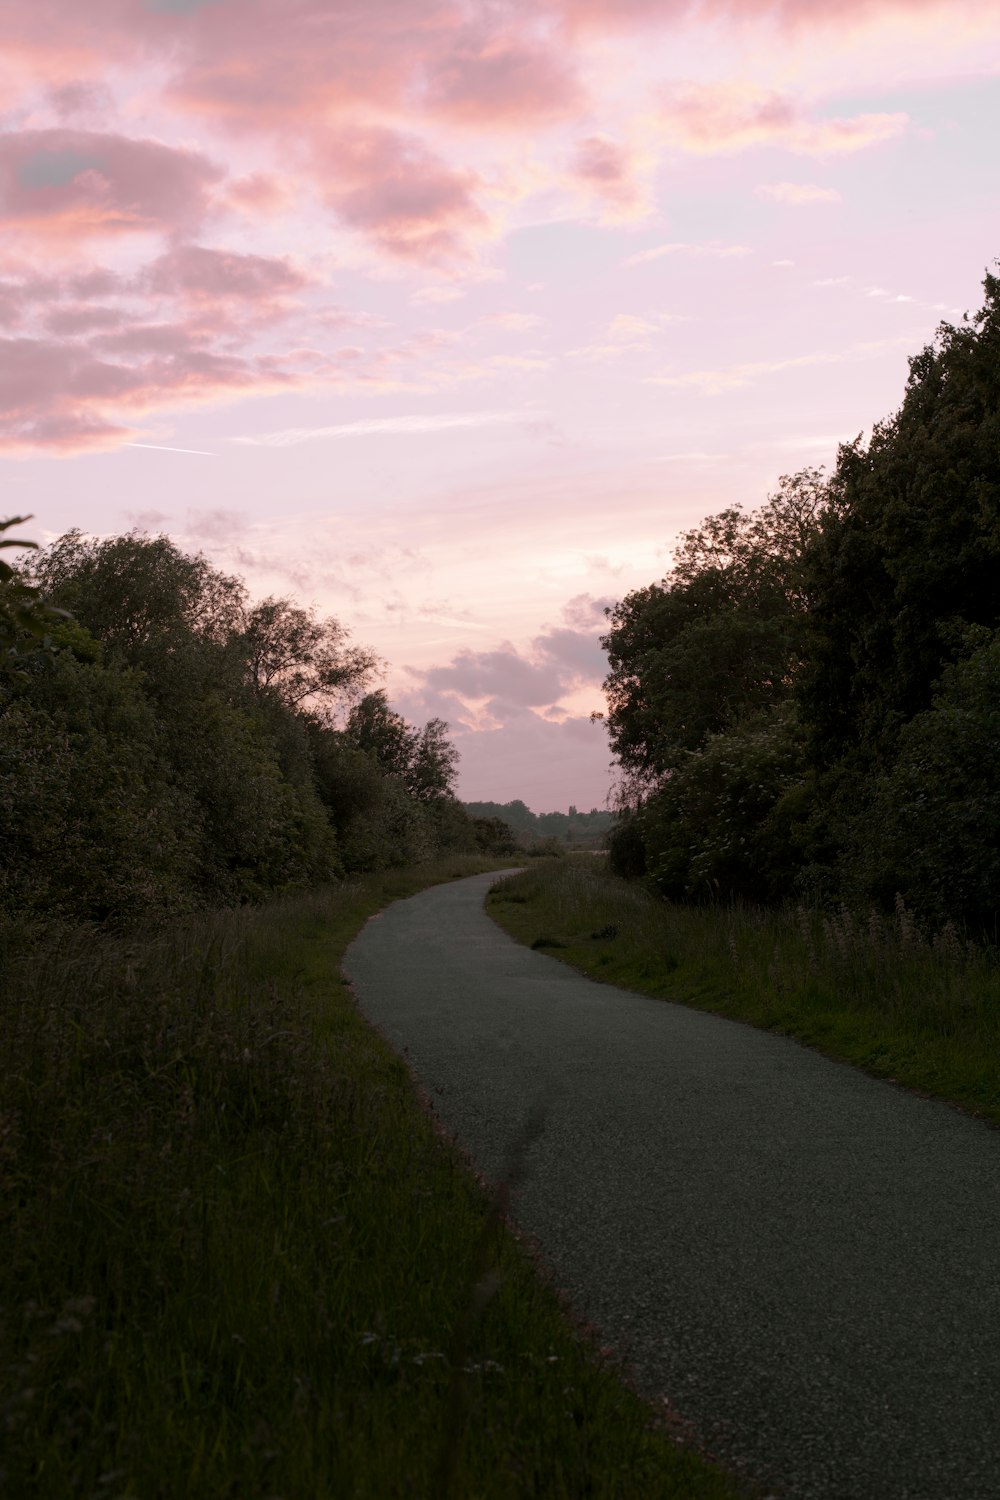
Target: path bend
(804,1259)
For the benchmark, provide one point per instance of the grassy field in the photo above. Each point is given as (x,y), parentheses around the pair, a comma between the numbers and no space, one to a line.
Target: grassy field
(918,1009)
(239,1260)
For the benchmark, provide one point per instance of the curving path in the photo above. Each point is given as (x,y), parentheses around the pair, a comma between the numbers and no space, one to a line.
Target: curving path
(805,1260)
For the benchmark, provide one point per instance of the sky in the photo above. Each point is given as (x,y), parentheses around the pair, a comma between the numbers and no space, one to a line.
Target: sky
(447,317)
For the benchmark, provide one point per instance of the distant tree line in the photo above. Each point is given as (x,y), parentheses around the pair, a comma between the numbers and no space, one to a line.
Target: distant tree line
(809,704)
(167,744)
(573,827)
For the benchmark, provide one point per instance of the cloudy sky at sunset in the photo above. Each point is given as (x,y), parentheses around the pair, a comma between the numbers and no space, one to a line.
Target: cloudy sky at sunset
(446,316)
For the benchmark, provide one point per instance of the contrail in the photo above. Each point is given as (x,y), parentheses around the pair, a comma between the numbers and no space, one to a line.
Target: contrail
(162,448)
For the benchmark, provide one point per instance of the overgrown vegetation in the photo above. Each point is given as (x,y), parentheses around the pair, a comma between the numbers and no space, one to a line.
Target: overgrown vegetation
(919,1007)
(807,706)
(238,1257)
(166,745)
(240,1261)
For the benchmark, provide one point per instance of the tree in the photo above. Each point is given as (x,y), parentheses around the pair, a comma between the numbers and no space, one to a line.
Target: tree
(24,614)
(904,566)
(494,836)
(422,759)
(92,824)
(239,759)
(718,641)
(298,657)
(720,825)
(140,595)
(932,832)
(375,728)
(433,765)
(515,814)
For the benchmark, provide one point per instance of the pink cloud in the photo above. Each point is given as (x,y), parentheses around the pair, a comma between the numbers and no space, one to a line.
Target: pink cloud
(711,249)
(502,731)
(617,15)
(608,170)
(81,100)
(796,193)
(601,162)
(513,684)
(562,760)
(339,95)
(201,274)
(494,80)
(11,307)
(395,189)
(574,651)
(20,295)
(360,53)
(224,51)
(97,282)
(65,396)
(64,184)
(503,674)
(713,117)
(585,610)
(259,194)
(132,338)
(81,318)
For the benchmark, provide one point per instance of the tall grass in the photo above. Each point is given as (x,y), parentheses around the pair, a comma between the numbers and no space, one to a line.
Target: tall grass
(919,1008)
(240,1260)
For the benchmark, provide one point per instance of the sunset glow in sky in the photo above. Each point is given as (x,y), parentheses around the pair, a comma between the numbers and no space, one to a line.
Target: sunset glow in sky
(447,317)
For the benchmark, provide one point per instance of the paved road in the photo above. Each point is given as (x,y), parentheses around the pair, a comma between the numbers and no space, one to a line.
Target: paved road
(804,1259)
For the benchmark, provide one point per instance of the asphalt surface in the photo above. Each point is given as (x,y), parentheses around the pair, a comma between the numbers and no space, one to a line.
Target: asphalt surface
(803,1259)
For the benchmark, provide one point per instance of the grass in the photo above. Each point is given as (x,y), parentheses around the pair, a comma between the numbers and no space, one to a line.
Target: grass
(241,1260)
(918,1009)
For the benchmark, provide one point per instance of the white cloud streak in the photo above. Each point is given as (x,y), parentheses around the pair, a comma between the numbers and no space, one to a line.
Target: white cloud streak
(441,422)
(712,250)
(731,377)
(162,448)
(797,193)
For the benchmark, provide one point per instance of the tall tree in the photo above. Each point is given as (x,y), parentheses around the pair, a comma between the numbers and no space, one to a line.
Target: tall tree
(138,594)
(904,570)
(382,733)
(717,641)
(434,763)
(293,654)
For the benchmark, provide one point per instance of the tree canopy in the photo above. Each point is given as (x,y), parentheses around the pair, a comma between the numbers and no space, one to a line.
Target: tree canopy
(806,704)
(717,641)
(177,745)
(903,570)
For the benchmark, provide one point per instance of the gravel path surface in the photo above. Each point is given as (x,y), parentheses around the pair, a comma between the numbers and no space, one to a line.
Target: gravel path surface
(805,1260)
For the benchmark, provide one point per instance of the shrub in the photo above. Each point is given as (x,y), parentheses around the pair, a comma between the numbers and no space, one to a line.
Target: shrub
(722,823)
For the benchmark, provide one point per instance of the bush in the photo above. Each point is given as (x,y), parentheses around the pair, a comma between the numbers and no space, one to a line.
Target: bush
(92,826)
(627,848)
(722,823)
(391,831)
(494,836)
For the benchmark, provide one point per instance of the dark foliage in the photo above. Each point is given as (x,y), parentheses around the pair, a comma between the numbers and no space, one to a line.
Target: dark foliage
(173,746)
(807,704)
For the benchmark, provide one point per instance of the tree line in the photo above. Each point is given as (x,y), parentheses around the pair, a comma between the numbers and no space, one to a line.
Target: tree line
(167,744)
(808,706)
(572,827)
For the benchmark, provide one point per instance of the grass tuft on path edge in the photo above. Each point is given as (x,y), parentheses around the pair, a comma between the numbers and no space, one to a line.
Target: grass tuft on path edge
(241,1258)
